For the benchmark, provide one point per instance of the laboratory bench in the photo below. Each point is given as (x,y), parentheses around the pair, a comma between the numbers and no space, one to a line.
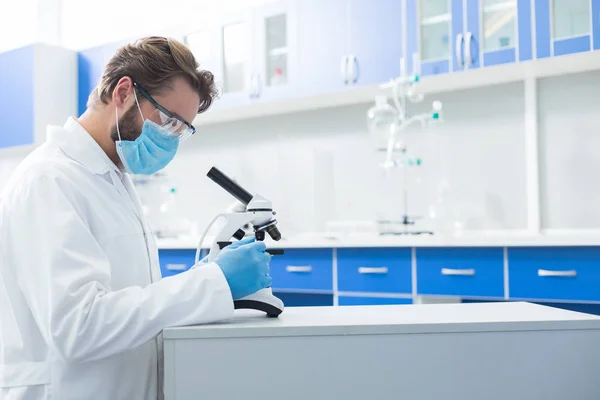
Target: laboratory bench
(495,351)
(563,271)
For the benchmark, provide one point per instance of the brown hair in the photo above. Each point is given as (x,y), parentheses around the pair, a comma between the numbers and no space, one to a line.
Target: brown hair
(153,62)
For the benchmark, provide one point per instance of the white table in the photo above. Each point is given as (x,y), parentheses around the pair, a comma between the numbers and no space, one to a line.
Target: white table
(437,351)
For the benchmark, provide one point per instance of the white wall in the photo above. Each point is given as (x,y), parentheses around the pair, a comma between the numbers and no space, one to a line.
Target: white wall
(320,166)
(570,151)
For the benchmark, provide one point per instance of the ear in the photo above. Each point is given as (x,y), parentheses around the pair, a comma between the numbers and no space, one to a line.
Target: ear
(123,92)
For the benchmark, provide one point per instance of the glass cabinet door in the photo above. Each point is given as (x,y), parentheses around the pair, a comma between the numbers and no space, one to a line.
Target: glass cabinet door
(203,46)
(276,49)
(232,59)
(234,44)
(276,46)
(499,24)
(434,20)
(570,18)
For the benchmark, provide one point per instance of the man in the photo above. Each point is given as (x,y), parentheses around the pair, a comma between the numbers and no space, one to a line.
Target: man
(82,302)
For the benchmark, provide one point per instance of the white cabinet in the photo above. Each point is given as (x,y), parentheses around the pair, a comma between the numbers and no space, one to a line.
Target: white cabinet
(251,53)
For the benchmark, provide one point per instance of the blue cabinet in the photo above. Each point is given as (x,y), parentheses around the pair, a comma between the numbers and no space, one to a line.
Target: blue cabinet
(375,40)
(454,35)
(91,63)
(17,111)
(434,36)
(470,272)
(322,49)
(566,26)
(565,273)
(175,261)
(371,301)
(375,270)
(303,269)
(345,43)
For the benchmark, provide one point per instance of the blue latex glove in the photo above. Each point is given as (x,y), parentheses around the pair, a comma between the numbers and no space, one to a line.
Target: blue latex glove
(233,245)
(245,266)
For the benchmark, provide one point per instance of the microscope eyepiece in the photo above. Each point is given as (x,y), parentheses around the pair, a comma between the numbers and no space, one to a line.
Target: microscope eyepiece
(229,185)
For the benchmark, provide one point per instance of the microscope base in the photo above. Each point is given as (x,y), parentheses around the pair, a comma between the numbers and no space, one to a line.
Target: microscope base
(263,300)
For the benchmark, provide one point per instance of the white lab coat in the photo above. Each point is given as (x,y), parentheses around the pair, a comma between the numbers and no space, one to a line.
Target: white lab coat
(82,302)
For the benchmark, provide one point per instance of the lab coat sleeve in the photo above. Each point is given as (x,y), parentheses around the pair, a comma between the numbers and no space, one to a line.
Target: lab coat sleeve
(65,278)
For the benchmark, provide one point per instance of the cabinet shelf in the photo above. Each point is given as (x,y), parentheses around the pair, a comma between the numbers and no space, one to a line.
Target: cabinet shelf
(279,51)
(507,5)
(436,19)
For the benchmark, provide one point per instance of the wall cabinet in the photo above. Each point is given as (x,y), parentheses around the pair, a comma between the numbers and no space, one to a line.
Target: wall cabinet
(566,26)
(17,97)
(348,43)
(455,35)
(38,87)
(290,49)
(252,54)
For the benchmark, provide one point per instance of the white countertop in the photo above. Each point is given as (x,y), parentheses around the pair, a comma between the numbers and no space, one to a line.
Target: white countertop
(392,319)
(372,240)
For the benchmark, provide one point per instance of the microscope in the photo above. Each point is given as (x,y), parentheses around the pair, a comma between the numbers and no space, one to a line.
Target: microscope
(260,215)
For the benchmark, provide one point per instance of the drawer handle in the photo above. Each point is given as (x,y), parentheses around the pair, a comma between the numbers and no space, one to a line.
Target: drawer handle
(373,270)
(570,273)
(292,268)
(461,272)
(176,267)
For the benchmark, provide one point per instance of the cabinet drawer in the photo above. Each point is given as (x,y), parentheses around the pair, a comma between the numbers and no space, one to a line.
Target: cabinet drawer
(370,301)
(175,261)
(310,269)
(560,273)
(374,270)
(477,272)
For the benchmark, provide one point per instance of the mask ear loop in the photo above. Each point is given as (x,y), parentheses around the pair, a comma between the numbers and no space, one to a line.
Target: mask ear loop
(117,122)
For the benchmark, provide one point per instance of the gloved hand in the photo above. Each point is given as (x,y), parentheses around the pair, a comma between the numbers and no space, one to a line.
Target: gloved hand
(245,266)
(233,245)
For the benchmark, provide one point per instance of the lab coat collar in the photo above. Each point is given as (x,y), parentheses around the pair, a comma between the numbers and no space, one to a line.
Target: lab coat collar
(78,144)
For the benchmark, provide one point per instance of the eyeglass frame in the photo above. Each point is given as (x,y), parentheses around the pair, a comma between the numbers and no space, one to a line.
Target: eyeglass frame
(161,108)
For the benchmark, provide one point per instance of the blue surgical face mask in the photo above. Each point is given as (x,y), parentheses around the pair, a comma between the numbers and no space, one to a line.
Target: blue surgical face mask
(150,152)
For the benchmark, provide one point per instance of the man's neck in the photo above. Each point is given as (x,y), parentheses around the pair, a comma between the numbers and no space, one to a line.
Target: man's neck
(94,122)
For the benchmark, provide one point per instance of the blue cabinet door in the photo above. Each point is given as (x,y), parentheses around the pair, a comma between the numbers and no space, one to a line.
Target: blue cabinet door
(434,36)
(176,261)
(561,273)
(16,97)
(91,63)
(566,26)
(374,270)
(375,41)
(302,270)
(322,45)
(472,38)
(465,272)
(371,301)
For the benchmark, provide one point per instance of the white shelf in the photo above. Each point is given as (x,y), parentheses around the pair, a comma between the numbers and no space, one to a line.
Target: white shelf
(278,51)
(475,78)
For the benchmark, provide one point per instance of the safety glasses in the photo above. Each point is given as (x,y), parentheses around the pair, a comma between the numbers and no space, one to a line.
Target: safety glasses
(172,123)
